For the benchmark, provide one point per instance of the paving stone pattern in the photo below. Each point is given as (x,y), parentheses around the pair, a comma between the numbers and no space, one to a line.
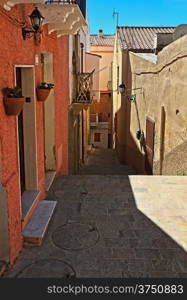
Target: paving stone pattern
(128,243)
(101,162)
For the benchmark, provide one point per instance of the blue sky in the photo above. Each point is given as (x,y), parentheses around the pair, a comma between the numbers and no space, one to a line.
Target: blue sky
(136,13)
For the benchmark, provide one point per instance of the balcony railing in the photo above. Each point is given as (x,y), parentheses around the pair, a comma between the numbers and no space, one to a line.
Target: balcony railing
(85,88)
(80,3)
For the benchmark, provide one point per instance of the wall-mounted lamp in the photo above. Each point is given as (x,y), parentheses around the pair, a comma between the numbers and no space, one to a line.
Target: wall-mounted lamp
(131,98)
(138,134)
(122,89)
(36,23)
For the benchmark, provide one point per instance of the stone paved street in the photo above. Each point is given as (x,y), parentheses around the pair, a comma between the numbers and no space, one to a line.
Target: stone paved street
(101,229)
(101,162)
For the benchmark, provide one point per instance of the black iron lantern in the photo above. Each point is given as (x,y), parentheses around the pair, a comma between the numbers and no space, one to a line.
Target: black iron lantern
(122,88)
(36,23)
(36,19)
(138,134)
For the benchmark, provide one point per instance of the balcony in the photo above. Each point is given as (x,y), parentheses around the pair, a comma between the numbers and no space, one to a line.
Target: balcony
(84,95)
(63,16)
(8,4)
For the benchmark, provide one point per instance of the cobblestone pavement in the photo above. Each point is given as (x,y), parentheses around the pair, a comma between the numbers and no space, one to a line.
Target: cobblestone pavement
(105,162)
(98,231)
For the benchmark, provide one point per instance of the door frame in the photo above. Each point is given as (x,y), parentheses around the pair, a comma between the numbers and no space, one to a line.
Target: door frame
(29,127)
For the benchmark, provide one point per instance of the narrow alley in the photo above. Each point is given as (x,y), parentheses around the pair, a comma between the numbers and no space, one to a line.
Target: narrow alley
(93,147)
(104,162)
(106,225)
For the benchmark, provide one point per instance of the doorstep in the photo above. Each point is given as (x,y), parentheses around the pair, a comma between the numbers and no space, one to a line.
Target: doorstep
(29,201)
(35,230)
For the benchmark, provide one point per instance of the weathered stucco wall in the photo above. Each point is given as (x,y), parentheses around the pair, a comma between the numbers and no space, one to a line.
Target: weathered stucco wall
(164,85)
(116,97)
(78,122)
(93,63)
(121,108)
(16,51)
(106,53)
(103,131)
(4,236)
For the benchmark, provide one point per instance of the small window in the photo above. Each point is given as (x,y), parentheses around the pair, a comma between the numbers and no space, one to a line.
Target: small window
(97,137)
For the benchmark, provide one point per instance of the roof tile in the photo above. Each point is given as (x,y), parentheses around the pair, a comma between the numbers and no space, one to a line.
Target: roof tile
(105,40)
(140,38)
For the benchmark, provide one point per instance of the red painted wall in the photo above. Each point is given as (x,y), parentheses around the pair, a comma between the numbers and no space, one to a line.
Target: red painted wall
(14,50)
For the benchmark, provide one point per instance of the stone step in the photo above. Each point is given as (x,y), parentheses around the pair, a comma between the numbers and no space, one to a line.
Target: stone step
(49,178)
(27,201)
(35,230)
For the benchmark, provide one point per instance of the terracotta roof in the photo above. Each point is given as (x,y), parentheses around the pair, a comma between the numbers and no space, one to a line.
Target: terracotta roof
(105,40)
(140,39)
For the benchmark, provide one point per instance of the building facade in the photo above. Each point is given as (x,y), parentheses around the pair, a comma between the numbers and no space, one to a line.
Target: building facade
(81,83)
(150,123)
(101,109)
(33,144)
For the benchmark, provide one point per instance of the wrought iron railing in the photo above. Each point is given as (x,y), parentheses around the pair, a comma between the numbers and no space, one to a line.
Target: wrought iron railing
(61,1)
(85,88)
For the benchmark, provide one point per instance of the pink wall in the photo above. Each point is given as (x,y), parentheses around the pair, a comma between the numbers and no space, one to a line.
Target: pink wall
(14,50)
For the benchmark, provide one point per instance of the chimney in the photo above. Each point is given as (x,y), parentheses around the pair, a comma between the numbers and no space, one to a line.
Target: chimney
(100,34)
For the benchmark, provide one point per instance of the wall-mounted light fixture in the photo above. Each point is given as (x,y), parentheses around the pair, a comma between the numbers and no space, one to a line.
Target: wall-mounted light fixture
(131,98)
(36,23)
(123,89)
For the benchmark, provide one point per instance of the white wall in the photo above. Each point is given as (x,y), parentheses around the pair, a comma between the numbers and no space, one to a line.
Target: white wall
(103,144)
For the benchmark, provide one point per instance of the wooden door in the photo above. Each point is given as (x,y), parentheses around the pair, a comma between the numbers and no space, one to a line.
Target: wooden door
(49,114)
(21,136)
(150,132)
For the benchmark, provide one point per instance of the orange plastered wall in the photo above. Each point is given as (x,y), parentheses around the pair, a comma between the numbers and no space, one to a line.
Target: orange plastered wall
(15,51)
